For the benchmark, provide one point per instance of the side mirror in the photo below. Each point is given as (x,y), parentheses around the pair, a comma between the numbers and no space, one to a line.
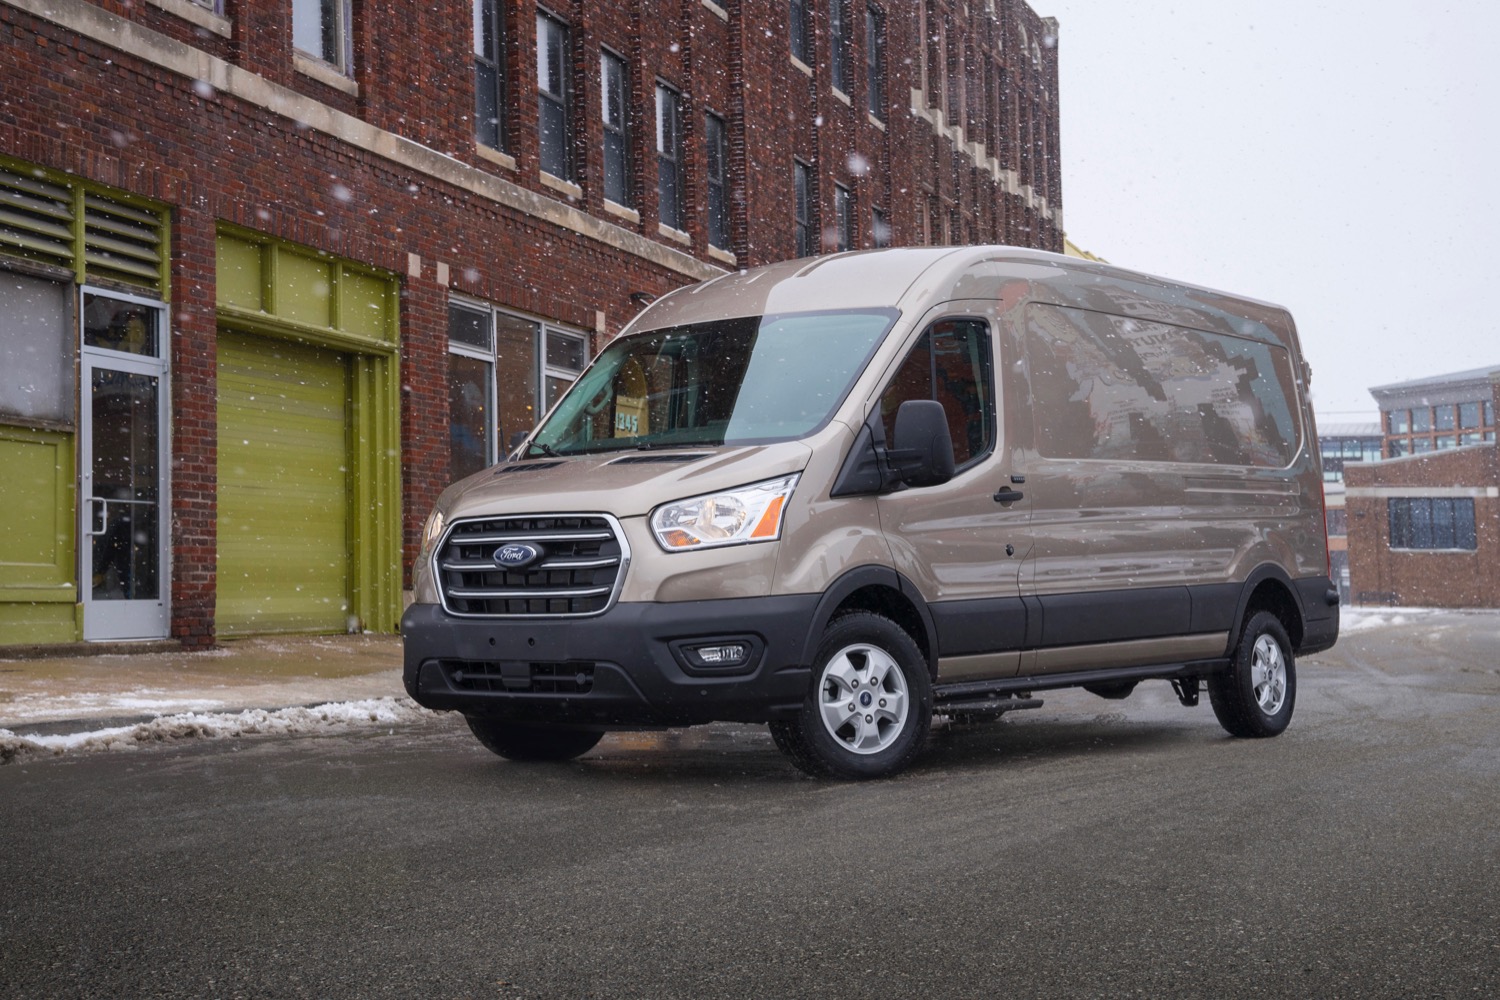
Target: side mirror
(922,452)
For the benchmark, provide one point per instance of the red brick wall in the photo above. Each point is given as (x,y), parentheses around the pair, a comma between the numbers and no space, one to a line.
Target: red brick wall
(107,115)
(1442,579)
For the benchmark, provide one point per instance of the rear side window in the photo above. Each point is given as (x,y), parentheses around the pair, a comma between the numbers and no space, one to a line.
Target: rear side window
(1117,387)
(951,364)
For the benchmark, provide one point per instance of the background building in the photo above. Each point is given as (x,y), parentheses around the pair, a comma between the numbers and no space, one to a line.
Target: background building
(273,272)
(1339,444)
(1424,528)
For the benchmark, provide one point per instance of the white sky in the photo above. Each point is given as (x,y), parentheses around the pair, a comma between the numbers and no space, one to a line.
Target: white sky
(1335,158)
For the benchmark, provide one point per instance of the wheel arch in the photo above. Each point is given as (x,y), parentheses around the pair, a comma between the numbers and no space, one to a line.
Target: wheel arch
(1268,588)
(883,591)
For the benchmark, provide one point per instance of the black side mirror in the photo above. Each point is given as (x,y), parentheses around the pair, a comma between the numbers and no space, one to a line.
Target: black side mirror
(922,452)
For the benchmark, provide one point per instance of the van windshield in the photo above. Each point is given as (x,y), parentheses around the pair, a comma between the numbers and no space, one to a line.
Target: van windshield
(736,381)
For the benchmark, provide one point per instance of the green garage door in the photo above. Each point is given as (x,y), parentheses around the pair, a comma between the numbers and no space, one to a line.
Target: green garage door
(283,487)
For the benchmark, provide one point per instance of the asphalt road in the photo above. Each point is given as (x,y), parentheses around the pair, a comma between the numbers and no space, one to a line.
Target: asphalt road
(1086,849)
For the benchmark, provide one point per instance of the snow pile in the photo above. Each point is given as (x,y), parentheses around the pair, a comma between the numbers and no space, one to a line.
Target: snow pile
(334,716)
(1358,619)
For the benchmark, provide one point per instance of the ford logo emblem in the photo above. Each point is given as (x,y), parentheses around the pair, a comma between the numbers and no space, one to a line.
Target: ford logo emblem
(517,555)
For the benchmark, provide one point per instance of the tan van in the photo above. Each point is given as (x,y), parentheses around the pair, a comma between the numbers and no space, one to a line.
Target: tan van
(842,495)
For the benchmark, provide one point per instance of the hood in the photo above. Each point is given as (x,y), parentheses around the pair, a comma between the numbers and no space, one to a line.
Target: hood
(625,484)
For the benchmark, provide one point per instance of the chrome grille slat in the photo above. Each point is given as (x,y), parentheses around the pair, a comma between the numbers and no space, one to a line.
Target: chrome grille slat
(582,565)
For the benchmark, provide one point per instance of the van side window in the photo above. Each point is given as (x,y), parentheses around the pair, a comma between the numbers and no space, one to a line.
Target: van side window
(1126,388)
(951,364)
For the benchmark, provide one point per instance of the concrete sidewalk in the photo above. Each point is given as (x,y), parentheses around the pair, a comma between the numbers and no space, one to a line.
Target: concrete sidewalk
(67,693)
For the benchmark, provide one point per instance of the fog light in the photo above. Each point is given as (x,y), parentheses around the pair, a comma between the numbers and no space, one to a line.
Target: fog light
(729,654)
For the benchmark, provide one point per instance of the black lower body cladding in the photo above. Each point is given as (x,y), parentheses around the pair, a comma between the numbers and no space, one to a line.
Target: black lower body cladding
(634,665)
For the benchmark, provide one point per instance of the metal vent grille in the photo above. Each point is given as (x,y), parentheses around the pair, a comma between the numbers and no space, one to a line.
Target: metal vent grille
(520,676)
(36,219)
(121,243)
(578,570)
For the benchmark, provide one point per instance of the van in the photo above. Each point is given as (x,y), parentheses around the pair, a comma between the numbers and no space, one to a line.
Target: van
(843,495)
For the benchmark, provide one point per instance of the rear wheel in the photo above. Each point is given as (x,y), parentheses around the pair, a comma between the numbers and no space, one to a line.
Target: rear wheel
(1254,697)
(516,741)
(870,704)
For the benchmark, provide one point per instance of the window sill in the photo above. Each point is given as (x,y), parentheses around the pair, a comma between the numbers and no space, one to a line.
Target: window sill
(573,191)
(839,95)
(324,73)
(615,208)
(717,11)
(197,14)
(802,67)
(875,121)
(723,256)
(495,156)
(676,235)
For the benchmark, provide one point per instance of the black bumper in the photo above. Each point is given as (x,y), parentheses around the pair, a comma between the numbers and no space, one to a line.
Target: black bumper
(627,667)
(1320,614)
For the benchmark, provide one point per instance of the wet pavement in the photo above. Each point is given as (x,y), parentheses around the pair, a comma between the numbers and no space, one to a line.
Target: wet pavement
(70,692)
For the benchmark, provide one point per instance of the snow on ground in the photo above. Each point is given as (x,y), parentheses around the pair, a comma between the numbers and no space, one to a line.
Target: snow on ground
(1358,619)
(333,717)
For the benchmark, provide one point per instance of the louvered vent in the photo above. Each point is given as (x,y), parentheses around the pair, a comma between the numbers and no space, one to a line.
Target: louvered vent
(121,243)
(36,220)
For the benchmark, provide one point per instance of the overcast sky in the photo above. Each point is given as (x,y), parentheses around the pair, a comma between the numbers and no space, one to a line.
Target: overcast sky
(1335,158)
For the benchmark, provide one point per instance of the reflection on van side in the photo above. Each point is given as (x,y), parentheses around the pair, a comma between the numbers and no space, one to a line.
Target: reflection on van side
(844,495)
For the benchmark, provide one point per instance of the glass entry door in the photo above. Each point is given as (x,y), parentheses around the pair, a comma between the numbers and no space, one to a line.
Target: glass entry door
(122,555)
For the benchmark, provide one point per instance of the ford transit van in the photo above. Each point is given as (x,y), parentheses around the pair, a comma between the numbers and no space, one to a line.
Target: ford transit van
(843,495)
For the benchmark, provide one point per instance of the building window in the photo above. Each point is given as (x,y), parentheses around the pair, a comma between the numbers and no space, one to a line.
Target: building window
(802,179)
(1444,418)
(614,97)
(800,31)
(1421,419)
(838,45)
(489,73)
(881,227)
(1468,415)
(320,28)
(1337,521)
(554,71)
(669,156)
(875,61)
(1489,413)
(1432,523)
(843,208)
(718,197)
(1398,422)
(504,372)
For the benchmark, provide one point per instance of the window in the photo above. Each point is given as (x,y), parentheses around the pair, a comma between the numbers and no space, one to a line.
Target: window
(1421,419)
(951,364)
(614,97)
(504,372)
(669,156)
(554,71)
(1489,413)
(1445,419)
(1337,520)
(1116,387)
(1398,422)
(802,179)
(1432,523)
(881,227)
(718,197)
(1468,415)
(1447,441)
(37,339)
(320,28)
(1420,445)
(843,208)
(875,62)
(489,73)
(838,45)
(1399,447)
(800,31)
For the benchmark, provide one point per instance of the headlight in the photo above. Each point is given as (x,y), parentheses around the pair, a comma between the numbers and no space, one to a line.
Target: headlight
(432,530)
(747,514)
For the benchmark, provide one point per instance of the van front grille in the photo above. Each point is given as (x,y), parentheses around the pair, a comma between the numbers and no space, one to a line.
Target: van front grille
(520,676)
(576,566)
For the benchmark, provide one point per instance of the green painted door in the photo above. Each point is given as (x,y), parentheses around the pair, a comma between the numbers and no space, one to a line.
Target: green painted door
(284,551)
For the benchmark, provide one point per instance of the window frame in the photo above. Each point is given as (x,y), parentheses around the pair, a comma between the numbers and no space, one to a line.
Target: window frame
(843,214)
(839,68)
(669,160)
(716,171)
(880,227)
(988,395)
(804,188)
(799,31)
(1404,528)
(342,38)
(618,130)
(875,83)
(490,14)
(562,100)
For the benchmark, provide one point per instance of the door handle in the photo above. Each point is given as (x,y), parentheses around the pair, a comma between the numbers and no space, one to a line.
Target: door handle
(1008,495)
(98,516)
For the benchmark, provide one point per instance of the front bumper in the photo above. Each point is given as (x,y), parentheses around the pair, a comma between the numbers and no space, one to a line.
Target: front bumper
(624,668)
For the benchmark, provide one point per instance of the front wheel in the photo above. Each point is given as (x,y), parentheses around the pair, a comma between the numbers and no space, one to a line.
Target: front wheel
(1254,697)
(515,741)
(870,704)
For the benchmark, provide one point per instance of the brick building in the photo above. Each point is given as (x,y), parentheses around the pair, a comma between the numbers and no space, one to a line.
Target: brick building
(272,272)
(1424,529)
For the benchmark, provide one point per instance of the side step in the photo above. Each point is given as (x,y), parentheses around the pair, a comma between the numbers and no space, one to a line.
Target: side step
(988,706)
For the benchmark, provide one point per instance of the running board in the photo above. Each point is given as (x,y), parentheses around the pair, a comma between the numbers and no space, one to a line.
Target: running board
(945,694)
(985,706)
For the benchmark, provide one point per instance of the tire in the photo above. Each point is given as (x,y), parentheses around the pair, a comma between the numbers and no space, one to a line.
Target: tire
(869,706)
(515,741)
(1255,696)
